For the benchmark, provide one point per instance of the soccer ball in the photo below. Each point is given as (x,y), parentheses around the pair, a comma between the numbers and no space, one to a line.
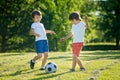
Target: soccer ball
(51,67)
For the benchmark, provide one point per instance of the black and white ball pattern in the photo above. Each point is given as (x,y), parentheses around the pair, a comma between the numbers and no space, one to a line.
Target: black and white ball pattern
(51,67)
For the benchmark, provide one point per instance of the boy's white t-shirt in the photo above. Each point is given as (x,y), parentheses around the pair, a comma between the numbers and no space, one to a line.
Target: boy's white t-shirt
(78,32)
(39,29)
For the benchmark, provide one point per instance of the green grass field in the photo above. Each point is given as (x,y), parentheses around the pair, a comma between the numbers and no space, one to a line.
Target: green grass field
(100,65)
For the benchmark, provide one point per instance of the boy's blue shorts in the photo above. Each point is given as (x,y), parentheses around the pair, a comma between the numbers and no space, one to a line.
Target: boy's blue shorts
(42,46)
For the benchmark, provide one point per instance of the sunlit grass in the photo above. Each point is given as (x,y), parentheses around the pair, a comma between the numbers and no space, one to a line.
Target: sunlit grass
(15,66)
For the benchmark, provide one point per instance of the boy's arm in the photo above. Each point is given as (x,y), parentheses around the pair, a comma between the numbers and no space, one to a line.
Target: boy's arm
(32,32)
(65,38)
(50,31)
(86,21)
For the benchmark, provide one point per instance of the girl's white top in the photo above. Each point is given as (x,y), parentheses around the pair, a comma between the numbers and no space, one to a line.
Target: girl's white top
(78,32)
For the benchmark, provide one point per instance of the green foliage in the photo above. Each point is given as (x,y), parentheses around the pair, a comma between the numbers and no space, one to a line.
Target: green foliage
(109,20)
(16,21)
(13,30)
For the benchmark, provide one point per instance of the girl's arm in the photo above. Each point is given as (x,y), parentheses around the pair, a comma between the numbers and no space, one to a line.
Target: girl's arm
(86,21)
(65,38)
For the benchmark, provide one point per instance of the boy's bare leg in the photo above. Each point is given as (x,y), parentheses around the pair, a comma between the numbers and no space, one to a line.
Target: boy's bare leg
(79,62)
(44,59)
(32,62)
(74,61)
(37,57)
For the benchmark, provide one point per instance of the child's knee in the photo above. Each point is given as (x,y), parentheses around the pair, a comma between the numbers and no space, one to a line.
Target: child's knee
(74,56)
(46,55)
(39,55)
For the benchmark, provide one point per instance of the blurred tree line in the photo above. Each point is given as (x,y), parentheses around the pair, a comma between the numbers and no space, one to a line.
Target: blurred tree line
(109,20)
(15,22)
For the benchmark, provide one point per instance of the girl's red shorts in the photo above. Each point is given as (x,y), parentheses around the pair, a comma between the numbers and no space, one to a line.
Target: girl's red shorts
(76,48)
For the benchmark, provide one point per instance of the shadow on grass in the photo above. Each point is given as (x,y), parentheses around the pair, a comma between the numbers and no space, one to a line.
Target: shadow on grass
(45,76)
(103,53)
(59,57)
(89,58)
(101,57)
(11,54)
(27,71)
(19,72)
(23,72)
(93,55)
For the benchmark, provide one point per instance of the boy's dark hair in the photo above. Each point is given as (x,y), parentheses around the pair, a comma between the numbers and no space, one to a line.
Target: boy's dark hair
(74,15)
(36,12)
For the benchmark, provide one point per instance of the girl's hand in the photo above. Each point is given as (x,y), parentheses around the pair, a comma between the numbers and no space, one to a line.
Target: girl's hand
(86,17)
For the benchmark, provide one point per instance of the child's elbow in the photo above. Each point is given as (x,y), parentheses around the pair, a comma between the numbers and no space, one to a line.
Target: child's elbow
(30,33)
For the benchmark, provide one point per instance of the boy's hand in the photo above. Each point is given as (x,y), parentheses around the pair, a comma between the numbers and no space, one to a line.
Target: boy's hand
(62,39)
(38,35)
(52,32)
(86,17)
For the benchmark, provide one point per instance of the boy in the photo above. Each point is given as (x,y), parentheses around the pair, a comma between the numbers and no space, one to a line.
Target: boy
(41,42)
(78,30)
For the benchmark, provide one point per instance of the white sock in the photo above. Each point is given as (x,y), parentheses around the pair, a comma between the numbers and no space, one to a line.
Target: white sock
(33,61)
(42,67)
